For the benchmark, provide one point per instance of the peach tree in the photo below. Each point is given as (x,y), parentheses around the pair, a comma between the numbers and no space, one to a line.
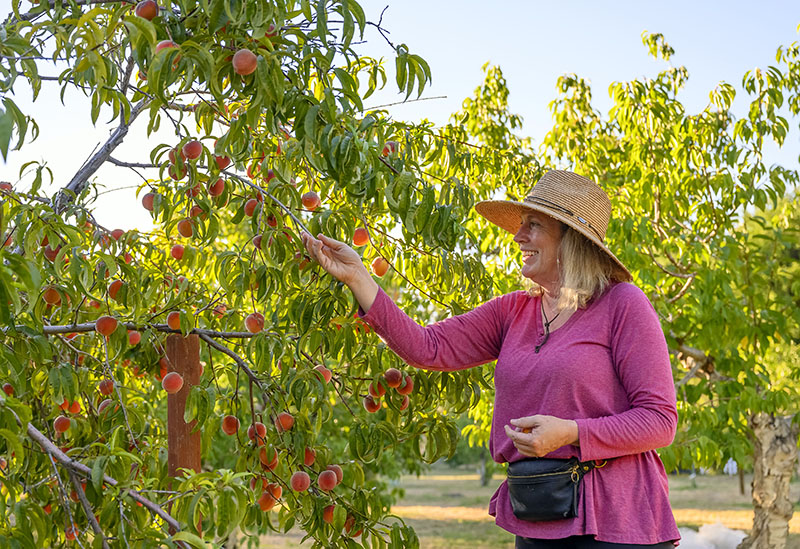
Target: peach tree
(300,408)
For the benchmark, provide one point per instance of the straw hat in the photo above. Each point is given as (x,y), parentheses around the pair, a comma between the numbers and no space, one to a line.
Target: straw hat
(568,197)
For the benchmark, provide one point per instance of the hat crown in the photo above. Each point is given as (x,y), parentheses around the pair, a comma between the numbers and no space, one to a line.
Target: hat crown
(573,197)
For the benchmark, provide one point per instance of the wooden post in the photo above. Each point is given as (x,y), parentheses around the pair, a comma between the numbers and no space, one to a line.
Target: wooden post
(183,446)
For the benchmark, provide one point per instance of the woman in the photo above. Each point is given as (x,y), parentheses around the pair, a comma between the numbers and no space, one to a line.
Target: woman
(582,369)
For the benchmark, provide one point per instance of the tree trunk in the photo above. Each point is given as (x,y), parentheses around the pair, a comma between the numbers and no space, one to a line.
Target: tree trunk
(775,454)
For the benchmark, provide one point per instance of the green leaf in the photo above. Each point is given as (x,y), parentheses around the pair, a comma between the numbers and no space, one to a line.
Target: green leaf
(192,539)
(6,129)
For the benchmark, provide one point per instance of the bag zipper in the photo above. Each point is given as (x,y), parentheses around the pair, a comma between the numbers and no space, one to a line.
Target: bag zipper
(573,471)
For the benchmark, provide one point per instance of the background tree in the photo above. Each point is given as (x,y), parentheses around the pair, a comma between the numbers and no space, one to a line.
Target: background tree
(684,190)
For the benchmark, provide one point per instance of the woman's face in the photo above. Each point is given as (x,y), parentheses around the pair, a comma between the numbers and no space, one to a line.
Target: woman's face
(539,237)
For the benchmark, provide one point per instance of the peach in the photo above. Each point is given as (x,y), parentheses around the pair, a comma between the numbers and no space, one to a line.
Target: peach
(147,9)
(371,405)
(284,422)
(52,296)
(113,288)
(222,162)
(268,457)
(71,533)
(172,382)
(194,190)
(134,337)
(116,234)
(104,405)
(197,211)
(106,387)
(254,483)
(165,44)
(327,481)
(105,325)
(300,481)
(52,253)
(327,514)
(266,501)
(254,323)
(404,403)
(6,186)
(192,150)
(257,241)
(390,147)
(310,200)
(250,207)
(61,424)
(349,524)
(380,266)
(258,429)
(177,251)
(75,407)
(8,389)
(174,320)
(377,390)
(360,237)
(338,470)
(393,378)
(324,372)
(217,187)
(185,228)
(407,387)
(275,489)
(272,221)
(244,62)
(309,457)
(230,425)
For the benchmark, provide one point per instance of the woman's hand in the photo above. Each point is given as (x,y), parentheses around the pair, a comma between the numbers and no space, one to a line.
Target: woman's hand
(539,435)
(339,259)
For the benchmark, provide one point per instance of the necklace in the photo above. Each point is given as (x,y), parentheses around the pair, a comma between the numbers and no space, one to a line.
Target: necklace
(547,324)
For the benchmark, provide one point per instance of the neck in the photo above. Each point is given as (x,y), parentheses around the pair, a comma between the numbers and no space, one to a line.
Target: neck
(550,300)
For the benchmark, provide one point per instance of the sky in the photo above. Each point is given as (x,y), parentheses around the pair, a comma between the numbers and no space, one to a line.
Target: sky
(532,42)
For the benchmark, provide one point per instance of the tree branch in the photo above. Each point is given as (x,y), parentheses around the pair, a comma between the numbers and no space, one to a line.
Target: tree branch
(239,360)
(87,507)
(80,179)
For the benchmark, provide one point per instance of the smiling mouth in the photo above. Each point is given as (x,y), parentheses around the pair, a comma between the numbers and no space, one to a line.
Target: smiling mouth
(526,255)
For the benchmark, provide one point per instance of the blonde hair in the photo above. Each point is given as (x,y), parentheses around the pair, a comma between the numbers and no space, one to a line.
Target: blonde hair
(584,269)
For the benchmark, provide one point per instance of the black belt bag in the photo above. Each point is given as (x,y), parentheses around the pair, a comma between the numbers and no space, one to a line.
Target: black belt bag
(546,489)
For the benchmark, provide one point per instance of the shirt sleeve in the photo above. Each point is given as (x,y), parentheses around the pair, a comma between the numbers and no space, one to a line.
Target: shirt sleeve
(641,358)
(455,343)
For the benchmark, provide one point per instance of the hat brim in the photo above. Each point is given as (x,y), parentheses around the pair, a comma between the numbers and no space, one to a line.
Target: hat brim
(507,214)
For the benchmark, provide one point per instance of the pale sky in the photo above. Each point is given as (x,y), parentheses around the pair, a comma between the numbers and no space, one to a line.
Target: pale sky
(533,42)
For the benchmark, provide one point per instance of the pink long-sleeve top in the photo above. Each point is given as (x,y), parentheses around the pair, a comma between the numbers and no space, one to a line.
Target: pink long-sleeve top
(607,368)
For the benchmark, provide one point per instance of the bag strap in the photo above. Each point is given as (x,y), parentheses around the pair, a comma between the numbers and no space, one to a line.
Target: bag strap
(586,466)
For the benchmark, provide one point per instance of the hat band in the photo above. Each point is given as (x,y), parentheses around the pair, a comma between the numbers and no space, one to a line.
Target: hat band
(562,209)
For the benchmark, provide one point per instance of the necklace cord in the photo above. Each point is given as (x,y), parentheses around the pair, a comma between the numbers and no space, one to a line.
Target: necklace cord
(547,324)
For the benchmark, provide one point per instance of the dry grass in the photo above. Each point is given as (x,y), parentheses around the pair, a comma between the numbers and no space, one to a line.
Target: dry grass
(448,509)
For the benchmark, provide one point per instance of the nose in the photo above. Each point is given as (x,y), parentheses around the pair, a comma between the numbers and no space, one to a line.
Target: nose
(521,234)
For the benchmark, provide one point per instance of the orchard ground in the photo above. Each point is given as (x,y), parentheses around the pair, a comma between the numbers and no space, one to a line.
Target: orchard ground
(447,508)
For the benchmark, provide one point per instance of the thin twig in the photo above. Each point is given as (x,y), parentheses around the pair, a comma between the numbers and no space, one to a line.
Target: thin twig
(87,507)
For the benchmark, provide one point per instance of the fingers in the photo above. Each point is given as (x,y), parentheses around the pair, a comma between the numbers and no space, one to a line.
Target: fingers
(527,422)
(522,442)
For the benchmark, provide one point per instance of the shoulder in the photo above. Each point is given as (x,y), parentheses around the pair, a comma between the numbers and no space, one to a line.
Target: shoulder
(624,296)
(507,305)
(511,300)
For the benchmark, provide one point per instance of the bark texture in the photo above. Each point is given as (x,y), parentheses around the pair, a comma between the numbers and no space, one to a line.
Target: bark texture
(775,454)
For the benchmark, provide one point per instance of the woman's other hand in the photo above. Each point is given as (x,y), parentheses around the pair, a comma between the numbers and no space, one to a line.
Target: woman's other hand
(539,435)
